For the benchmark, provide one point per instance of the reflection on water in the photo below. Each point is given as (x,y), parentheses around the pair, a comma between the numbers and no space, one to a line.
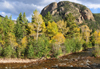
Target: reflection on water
(82,60)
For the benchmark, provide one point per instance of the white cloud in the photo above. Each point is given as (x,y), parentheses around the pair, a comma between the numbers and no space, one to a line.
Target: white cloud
(90,4)
(4,14)
(94,6)
(76,1)
(7,5)
(38,7)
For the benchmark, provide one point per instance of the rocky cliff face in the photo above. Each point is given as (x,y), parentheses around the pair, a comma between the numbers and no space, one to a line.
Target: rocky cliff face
(61,9)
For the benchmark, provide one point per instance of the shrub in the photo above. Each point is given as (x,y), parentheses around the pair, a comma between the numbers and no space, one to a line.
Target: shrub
(30,51)
(1,49)
(83,8)
(87,45)
(7,52)
(96,52)
(73,45)
(56,50)
(42,47)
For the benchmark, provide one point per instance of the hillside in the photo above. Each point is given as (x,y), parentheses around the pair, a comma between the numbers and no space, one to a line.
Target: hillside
(92,24)
(62,9)
(1,16)
(97,17)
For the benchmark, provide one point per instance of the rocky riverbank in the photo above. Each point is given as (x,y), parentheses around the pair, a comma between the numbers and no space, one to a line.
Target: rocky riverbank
(17,60)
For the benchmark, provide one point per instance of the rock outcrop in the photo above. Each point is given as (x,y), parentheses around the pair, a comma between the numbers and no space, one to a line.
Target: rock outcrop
(61,9)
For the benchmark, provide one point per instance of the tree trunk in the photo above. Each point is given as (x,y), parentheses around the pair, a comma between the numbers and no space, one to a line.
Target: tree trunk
(37,32)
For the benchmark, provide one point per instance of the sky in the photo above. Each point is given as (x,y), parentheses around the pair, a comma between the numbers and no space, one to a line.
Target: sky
(14,7)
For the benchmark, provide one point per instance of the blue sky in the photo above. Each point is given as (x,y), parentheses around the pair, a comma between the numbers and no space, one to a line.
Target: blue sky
(14,7)
(95,10)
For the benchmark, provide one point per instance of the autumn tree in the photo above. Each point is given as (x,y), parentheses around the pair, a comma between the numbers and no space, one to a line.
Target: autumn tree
(37,22)
(52,29)
(59,38)
(96,36)
(85,32)
(62,27)
(31,29)
(73,28)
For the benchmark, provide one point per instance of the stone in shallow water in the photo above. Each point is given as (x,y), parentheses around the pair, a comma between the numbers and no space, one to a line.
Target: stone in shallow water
(65,59)
(62,64)
(75,59)
(82,63)
(87,61)
(25,66)
(6,67)
(56,66)
(71,66)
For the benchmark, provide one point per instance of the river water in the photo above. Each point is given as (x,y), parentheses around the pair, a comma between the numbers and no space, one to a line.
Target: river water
(82,60)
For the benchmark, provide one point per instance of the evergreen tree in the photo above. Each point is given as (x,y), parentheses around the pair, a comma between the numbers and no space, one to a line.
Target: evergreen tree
(30,51)
(10,17)
(20,19)
(73,28)
(25,21)
(18,31)
(48,17)
(7,52)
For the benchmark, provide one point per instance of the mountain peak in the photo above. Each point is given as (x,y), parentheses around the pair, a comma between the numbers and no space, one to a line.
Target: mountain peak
(62,9)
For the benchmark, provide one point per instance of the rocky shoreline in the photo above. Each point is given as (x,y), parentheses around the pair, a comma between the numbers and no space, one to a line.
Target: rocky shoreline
(17,60)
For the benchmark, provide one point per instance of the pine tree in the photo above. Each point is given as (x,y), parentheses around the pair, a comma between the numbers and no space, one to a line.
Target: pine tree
(48,17)
(18,31)
(20,19)
(25,21)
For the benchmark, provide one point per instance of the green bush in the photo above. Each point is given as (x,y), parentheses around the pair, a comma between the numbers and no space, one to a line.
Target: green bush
(87,45)
(56,50)
(42,47)
(96,52)
(83,8)
(7,52)
(30,51)
(1,49)
(78,45)
(73,45)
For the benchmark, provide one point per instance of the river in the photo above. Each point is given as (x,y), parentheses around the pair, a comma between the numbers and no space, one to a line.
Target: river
(81,60)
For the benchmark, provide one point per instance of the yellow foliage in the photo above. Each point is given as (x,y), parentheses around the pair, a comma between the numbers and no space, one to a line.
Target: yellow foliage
(99,34)
(12,39)
(52,29)
(43,27)
(62,27)
(32,32)
(95,34)
(37,18)
(24,42)
(2,42)
(97,37)
(59,38)
(85,32)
